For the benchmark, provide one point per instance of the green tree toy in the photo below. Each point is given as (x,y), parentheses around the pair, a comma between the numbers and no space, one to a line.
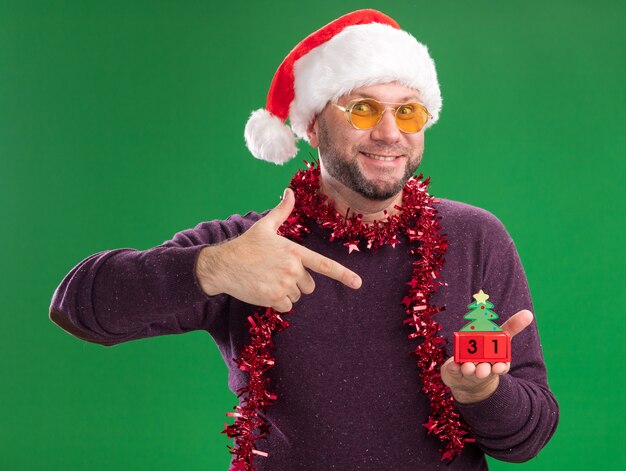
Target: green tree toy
(481,315)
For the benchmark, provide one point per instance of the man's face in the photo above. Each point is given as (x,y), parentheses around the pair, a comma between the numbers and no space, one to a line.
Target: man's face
(376,162)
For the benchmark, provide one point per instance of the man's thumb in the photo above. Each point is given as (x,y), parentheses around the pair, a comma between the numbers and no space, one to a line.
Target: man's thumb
(518,322)
(281,212)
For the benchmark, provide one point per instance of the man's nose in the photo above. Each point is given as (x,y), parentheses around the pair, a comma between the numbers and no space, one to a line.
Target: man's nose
(386,130)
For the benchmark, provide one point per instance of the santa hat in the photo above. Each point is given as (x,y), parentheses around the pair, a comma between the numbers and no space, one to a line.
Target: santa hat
(359,49)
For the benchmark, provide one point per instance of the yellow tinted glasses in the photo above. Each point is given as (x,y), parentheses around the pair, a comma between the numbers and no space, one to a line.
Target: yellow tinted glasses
(365,113)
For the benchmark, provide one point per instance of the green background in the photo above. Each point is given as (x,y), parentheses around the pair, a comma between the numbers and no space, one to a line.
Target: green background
(121,123)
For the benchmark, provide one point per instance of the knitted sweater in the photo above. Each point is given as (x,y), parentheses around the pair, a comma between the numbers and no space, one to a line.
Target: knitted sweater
(349,395)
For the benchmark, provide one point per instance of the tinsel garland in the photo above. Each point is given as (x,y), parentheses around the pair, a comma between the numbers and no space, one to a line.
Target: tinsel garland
(417,219)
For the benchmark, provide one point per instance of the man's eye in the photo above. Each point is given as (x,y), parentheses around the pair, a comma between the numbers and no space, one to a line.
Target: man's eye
(406,110)
(362,107)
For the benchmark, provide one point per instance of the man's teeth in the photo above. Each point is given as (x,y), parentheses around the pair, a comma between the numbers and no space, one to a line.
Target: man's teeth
(379,157)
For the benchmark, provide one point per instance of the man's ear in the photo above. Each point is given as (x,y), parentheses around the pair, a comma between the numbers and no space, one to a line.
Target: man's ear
(311,133)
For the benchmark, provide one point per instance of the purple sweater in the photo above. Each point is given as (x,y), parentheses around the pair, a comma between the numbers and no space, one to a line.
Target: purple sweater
(349,394)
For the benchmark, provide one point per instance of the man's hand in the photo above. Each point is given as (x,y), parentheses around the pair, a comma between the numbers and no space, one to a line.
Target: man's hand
(262,268)
(470,382)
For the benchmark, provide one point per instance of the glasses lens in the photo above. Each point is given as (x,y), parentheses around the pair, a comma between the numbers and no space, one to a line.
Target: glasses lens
(365,114)
(411,117)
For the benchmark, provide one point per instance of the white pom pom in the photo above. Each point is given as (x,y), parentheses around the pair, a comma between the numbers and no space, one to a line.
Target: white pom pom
(268,138)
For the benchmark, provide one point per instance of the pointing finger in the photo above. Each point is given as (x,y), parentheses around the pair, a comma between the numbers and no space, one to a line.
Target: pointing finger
(325,266)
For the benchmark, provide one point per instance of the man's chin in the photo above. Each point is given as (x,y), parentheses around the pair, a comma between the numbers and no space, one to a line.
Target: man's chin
(373,184)
(375,192)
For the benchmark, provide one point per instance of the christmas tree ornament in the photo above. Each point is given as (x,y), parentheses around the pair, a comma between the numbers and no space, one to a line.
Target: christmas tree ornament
(481,339)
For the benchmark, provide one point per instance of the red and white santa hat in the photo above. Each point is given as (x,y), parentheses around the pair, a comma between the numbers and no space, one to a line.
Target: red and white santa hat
(362,48)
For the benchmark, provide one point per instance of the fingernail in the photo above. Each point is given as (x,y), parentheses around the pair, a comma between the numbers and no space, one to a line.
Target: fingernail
(355,282)
(284,194)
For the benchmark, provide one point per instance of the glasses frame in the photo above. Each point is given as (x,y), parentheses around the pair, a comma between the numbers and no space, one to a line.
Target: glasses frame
(347,110)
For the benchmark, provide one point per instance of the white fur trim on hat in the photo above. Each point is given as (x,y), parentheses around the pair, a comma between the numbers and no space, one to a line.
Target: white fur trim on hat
(361,55)
(268,138)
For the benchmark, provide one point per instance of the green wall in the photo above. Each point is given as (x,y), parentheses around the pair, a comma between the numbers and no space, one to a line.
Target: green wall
(121,123)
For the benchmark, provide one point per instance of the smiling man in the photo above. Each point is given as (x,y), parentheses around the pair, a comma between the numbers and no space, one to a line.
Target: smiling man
(376,272)
(367,171)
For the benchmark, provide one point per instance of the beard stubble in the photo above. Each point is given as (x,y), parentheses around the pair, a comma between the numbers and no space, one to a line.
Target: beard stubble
(345,168)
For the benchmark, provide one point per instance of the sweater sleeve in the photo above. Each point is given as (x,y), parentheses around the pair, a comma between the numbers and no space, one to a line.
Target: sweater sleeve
(120,295)
(515,422)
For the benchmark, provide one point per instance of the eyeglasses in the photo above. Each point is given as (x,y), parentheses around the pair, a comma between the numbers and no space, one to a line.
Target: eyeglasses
(365,113)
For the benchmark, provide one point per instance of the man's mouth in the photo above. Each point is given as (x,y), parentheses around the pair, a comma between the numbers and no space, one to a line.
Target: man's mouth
(384,158)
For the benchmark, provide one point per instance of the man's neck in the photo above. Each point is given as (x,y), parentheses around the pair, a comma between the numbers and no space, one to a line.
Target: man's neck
(346,199)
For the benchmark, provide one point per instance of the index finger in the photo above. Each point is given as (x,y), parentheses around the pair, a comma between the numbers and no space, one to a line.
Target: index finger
(327,267)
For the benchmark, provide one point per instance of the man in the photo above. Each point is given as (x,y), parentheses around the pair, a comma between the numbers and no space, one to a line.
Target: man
(339,251)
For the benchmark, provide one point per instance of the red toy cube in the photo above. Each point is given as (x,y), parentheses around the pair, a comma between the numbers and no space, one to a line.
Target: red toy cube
(489,347)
